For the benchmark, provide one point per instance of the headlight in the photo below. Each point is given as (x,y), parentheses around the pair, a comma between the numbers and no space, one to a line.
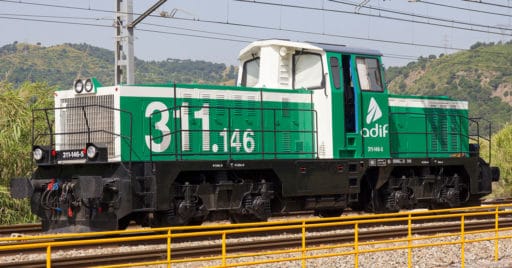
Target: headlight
(91,151)
(38,154)
(79,86)
(88,85)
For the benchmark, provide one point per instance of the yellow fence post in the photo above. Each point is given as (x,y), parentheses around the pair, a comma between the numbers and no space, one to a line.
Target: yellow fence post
(356,246)
(49,256)
(303,244)
(409,241)
(496,234)
(224,249)
(462,240)
(169,248)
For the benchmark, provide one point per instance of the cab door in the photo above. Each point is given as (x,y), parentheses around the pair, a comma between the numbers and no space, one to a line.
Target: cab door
(344,106)
(373,107)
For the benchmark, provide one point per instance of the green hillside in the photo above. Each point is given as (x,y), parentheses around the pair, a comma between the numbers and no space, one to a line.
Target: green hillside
(59,65)
(482,76)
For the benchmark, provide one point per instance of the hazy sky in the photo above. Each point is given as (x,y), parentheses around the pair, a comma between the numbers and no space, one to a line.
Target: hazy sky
(400,29)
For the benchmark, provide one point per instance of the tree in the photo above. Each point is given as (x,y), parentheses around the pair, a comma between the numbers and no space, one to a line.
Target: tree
(15,142)
(501,152)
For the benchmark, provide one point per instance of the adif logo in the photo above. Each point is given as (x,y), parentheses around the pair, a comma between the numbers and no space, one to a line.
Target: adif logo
(374,112)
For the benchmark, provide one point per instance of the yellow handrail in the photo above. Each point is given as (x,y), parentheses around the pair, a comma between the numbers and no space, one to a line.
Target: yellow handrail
(300,254)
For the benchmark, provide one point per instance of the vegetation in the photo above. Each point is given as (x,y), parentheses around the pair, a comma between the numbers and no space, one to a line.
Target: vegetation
(501,157)
(14,211)
(482,76)
(61,64)
(15,136)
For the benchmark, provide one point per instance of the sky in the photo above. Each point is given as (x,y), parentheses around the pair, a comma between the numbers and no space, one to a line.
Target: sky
(216,30)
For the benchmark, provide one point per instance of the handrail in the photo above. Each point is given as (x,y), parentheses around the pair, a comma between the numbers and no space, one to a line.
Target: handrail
(304,251)
(476,120)
(51,134)
(460,132)
(179,152)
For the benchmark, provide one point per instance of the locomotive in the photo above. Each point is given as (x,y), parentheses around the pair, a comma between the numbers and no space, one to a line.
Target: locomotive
(309,127)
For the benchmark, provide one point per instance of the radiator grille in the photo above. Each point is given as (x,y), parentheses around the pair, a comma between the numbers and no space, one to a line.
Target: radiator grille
(82,110)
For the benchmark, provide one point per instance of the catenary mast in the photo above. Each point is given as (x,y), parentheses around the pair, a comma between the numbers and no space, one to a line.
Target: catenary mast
(124,52)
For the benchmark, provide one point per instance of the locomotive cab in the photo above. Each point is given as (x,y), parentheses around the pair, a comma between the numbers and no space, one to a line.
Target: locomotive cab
(347,85)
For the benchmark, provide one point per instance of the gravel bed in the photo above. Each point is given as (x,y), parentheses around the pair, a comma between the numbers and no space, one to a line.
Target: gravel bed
(477,254)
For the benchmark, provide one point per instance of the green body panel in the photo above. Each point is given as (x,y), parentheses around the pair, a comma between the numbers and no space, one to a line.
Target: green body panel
(428,132)
(374,125)
(218,129)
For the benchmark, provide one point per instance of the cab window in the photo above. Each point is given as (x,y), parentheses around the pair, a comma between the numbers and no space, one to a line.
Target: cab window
(308,72)
(369,74)
(251,72)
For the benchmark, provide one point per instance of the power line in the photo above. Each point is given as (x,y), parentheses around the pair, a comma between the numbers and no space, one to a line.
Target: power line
(199,31)
(389,17)
(249,26)
(232,24)
(424,17)
(144,30)
(488,3)
(463,8)
(321,34)
(56,21)
(317,9)
(194,35)
(263,27)
(57,6)
(388,55)
(54,17)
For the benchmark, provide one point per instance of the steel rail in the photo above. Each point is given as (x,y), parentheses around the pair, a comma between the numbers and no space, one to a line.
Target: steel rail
(36,227)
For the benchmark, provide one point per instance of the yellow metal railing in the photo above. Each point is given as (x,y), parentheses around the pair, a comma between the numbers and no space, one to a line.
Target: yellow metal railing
(300,254)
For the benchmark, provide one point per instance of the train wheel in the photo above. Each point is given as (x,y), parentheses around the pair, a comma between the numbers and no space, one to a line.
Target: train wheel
(378,202)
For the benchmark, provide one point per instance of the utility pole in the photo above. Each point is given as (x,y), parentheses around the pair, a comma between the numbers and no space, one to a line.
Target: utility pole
(124,52)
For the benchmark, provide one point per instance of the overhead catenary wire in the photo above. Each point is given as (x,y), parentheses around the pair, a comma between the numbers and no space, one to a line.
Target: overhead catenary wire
(380,16)
(488,3)
(395,56)
(263,28)
(415,15)
(463,8)
(317,9)
(236,25)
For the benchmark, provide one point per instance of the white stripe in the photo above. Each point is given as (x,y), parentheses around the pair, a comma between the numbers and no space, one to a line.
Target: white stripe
(134,91)
(428,103)
(168,92)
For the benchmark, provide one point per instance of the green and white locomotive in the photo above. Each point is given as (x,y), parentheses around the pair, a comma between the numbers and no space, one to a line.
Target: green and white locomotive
(310,127)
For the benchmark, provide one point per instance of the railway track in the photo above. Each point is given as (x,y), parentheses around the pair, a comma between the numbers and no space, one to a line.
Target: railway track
(36,228)
(20,229)
(275,242)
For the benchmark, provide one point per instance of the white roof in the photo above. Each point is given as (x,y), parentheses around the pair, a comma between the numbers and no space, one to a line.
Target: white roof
(255,46)
(276,42)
